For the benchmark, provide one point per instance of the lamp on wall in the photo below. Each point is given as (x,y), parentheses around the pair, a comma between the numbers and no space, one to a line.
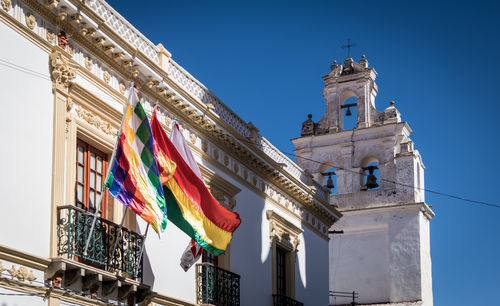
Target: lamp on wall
(329,182)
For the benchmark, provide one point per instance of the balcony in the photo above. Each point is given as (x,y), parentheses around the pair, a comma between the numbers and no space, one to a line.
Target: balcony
(73,230)
(216,286)
(283,300)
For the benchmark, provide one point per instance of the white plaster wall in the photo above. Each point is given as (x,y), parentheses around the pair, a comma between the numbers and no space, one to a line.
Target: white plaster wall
(26,131)
(311,275)
(251,255)
(162,270)
(378,256)
(425,259)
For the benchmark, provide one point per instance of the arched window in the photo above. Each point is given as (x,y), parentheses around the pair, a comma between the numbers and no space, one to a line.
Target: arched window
(350,113)
(371,178)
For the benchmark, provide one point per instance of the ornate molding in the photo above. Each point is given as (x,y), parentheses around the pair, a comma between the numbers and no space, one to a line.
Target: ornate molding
(61,73)
(96,121)
(282,231)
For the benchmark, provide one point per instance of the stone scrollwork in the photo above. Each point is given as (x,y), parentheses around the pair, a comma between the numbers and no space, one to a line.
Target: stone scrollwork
(282,231)
(70,49)
(22,274)
(88,63)
(106,76)
(51,36)
(122,88)
(30,21)
(6,5)
(96,121)
(61,73)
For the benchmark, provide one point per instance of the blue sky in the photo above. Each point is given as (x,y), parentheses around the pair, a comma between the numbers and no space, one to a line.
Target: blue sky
(438,60)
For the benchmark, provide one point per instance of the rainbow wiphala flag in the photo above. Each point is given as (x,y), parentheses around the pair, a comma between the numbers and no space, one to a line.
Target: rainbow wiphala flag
(134,179)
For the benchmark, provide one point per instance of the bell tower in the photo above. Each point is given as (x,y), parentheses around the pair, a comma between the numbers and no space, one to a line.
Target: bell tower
(383,253)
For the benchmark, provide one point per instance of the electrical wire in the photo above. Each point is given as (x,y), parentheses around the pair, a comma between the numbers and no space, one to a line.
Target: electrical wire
(494,205)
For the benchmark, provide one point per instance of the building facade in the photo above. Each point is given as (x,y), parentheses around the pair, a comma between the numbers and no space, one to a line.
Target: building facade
(380,249)
(67,67)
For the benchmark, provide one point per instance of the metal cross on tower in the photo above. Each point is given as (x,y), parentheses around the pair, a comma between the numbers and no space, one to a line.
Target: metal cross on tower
(348,46)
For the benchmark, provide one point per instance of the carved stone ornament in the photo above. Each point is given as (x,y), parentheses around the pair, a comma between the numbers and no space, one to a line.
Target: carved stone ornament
(204,146)
(193,138)
(168,121)
(70,50)
(88,63)
(106,76)
(69,104)
(51,36)
(50,4)
(6,5)
(21,274)
(283,231)
(96,121)
(61,73)
(122,88)
(30,21)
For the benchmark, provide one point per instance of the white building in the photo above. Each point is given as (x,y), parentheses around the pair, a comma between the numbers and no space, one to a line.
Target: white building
(381,247)
(66,66)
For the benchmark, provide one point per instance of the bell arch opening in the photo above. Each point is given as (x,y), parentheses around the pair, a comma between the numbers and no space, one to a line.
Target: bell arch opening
(348,110)
(370,178)
(328,177)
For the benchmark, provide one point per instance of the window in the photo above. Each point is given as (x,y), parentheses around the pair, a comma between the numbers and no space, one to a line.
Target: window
(284,239)
(91,165)
(281,271)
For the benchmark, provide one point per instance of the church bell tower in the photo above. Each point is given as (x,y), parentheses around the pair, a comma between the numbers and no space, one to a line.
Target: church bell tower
(380,248)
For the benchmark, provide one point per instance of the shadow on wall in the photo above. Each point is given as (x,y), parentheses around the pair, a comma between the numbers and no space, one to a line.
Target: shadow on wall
(147,270)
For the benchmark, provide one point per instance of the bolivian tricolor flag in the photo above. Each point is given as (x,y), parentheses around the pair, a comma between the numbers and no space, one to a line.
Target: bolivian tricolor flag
(190,205)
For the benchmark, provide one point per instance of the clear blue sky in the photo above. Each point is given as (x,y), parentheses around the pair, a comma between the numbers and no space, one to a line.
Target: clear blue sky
(438,60)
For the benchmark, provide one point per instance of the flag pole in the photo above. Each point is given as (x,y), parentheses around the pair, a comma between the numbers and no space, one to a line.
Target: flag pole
(142,251)
(99,199)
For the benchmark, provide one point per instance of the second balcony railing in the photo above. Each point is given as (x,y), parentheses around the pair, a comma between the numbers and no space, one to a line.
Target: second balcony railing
(73,230)
(283,300)
(216,286)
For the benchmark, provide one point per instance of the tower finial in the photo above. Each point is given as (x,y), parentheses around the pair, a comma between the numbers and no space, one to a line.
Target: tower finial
(348,46)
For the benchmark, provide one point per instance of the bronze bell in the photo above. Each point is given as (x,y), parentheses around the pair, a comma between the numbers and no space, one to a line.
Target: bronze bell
(329,183)
(348,112)
(371,179)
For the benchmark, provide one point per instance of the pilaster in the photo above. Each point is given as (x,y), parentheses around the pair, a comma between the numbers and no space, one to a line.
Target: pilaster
(62,75)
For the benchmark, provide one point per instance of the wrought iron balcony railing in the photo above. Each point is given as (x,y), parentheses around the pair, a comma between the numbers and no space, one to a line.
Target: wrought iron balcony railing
(283,300)
(73,229)
(216,286)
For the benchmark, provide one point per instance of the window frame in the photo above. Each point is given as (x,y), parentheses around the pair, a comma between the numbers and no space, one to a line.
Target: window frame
(87,170)
(284,237)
